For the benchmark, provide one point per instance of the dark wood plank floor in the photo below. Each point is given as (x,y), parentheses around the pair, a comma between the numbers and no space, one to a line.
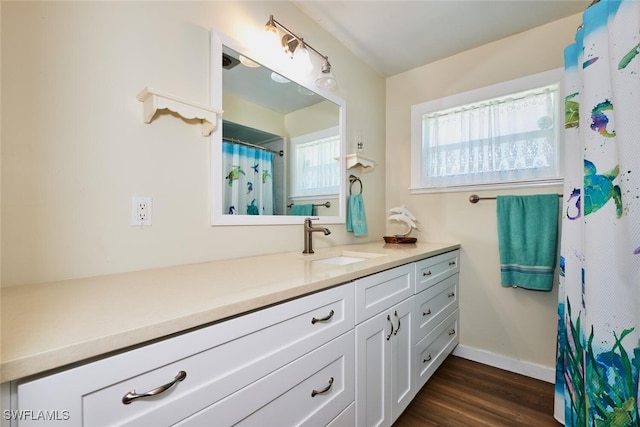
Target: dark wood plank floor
(467,393)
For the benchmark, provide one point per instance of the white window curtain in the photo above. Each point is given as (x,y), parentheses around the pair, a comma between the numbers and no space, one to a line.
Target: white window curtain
(511,138)
(315,163)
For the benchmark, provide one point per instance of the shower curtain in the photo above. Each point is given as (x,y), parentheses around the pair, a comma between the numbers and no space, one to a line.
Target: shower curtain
(598,356)
(248,184)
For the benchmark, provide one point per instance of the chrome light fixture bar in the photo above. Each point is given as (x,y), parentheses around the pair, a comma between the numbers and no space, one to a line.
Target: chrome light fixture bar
(298,49)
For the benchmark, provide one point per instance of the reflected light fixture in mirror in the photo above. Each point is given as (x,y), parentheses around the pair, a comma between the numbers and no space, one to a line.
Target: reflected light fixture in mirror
(299,51)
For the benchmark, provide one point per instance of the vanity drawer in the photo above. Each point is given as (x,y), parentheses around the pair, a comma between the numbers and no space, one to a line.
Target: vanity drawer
(434,304)
(347,418)
(435,347)
(432,270)
(380,291)
(312,390)
(218,360)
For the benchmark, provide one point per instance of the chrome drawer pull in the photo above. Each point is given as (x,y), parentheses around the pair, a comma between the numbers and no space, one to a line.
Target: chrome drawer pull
(451,294)
(428,273)
(426,313)
(322,319)
(130,397)
(452,263)
(398,328)
(452,332)
(324,390)
(428,359)
(390,333)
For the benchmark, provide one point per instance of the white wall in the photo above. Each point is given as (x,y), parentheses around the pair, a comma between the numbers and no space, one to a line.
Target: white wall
(75,149)
(513,323)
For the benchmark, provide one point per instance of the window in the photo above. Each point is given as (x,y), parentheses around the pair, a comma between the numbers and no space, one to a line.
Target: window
(314,163)
(506,135)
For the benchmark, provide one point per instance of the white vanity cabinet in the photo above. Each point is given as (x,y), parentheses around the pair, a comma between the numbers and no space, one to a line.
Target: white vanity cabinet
(385,382)
(352,354)
(244,368)
(436,313)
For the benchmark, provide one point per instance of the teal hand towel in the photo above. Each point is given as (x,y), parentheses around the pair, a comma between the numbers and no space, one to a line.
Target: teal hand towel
(303,210)
(356,218)
(527,240)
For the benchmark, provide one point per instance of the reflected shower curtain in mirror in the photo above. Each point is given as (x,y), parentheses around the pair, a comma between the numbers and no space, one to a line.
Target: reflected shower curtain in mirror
(248,184)
(598,356)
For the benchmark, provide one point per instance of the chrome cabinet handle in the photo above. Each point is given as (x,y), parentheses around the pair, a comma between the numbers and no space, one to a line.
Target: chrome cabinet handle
(398,328)
(391,323)
(322,319)
(427,273)
(428,359)
(324,390)
(451,294)
(452,332)
(131,396)
(426,313)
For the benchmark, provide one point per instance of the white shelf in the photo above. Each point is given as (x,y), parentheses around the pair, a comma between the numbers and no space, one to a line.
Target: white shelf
(355,159)
(154,100)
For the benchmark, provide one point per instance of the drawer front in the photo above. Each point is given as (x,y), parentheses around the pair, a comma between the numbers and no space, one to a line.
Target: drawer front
(347,418)
(312,390)
(218,360)
(434,305)
(433,270)
(435,347)
(383,290)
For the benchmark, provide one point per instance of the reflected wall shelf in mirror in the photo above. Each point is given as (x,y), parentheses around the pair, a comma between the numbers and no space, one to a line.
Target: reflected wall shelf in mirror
(275,109)
(154,100)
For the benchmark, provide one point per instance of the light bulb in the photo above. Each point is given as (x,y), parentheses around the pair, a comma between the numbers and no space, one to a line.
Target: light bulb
(272,38)
(302,59)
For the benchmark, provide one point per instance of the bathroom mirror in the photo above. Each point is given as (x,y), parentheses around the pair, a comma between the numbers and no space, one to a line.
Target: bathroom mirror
(278,152)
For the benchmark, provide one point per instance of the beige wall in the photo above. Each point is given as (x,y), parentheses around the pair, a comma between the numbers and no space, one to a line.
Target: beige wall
(75,149)
(513,323)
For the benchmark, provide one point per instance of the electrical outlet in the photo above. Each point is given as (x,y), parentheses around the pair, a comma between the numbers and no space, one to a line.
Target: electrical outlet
(141,210)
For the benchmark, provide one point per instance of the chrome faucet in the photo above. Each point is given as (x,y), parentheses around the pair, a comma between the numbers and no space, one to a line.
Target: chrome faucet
(308,230)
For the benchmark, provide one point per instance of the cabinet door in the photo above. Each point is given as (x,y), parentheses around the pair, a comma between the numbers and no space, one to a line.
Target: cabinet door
(402,371)
(385,381)
(373,373)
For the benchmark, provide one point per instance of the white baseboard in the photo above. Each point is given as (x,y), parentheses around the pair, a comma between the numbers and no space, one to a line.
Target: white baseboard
(512,365)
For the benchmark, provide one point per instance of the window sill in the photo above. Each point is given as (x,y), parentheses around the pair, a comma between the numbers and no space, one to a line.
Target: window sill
(489,186)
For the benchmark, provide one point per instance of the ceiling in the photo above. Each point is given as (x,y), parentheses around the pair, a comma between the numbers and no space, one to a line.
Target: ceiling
(394,36)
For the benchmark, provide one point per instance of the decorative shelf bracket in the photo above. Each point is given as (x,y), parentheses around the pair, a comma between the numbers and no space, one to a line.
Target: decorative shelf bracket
(154,100)
(355,159)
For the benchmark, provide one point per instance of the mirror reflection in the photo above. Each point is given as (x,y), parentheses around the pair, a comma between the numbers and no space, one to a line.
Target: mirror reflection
(281,144)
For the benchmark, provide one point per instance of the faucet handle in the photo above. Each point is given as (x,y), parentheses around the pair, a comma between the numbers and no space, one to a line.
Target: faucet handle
(311,219)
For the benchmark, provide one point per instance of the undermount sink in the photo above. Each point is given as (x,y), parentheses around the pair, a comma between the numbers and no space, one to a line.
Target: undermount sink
(347,257)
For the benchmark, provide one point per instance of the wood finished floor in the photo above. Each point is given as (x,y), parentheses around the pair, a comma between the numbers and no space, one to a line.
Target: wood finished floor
(467,393)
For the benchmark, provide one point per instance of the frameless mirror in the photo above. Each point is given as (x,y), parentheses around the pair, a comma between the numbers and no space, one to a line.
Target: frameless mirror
(277,155)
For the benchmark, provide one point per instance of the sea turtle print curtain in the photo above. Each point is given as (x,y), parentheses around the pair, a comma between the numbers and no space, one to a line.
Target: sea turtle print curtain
(598,356)
(248,183)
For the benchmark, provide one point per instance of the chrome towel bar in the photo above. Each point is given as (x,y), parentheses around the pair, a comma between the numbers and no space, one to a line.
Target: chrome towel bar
(474,198)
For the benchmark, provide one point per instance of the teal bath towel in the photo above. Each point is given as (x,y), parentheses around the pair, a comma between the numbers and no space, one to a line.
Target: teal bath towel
(356,218)
(303,210)
(527,240)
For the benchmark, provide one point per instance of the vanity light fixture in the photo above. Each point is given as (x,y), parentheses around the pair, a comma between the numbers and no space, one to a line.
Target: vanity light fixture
(325,79)
(298,49)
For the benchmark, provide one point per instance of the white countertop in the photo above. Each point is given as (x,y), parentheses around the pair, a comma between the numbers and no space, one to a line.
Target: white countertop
(48,326)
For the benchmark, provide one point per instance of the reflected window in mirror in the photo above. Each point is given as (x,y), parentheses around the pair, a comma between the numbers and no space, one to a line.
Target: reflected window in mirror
(314,164)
